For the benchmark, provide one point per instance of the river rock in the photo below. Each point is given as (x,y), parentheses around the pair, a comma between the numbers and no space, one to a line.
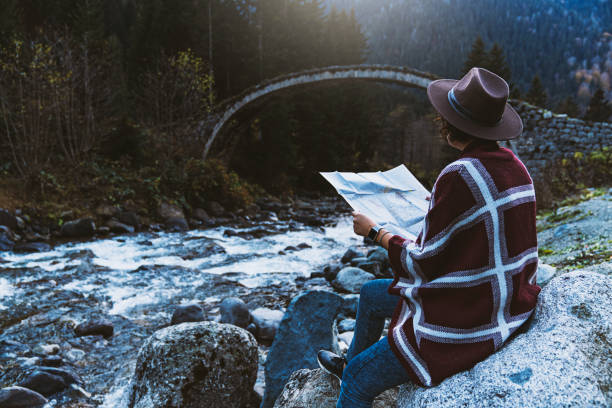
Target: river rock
(545,273)
(188,313)
(330,271)
(351,279)
(318,389)
(215,209)
(306,328)
(266,322)
(235,311)
(195,365)
(8,219)
(346,325)
(200,215)
(349,255)
(349,306)
(381,256)
(81,228)
(130,218)
(100,327)
(6,243)
(44,383)
(32,247)
(52,361)
(46,349)
(167,210)
(119,227)
(69,376)
(177,224)
(371,267)
(563,360)
(20,397)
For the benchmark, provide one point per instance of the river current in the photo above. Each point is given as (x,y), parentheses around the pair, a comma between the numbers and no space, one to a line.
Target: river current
(138,279)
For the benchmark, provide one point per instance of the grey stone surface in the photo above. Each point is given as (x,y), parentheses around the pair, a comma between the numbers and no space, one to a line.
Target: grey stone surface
(306,328)
(318,389)
(349,255)
(235,311)
(84,227)
(545,273)
(563,360)
(187,313)
(351,279)
(20,397)
(193,365)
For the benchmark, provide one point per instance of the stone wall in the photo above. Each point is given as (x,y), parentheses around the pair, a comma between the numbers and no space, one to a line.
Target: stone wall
(548,137)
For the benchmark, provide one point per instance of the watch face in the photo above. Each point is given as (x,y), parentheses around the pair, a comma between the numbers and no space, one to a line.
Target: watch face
(373,232)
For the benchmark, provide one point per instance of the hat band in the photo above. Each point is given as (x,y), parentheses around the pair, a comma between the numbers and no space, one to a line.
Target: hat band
(465,113)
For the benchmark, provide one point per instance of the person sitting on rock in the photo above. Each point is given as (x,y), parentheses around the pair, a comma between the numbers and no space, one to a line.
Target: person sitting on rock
(468,281)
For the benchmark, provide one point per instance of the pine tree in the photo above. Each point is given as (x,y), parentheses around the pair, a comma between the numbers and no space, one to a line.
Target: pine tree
(496,62)
(599,109)
(569,107)
(537,94)
(477,57)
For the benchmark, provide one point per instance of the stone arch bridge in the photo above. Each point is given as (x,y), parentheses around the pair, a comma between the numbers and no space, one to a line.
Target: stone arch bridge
(227,109)
(546,137)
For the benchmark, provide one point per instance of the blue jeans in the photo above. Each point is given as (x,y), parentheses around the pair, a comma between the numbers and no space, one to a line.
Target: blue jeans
(372,366)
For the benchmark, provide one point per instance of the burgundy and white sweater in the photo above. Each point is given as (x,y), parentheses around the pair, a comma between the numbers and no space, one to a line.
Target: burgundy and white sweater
(468,281)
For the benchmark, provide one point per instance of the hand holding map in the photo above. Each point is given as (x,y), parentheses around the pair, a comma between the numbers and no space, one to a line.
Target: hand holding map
(394,199)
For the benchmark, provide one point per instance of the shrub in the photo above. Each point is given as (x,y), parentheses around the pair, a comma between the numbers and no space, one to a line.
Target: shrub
(570,175)
(210,180)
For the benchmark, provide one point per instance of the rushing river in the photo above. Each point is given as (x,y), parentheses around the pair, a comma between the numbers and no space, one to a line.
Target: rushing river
(137,280)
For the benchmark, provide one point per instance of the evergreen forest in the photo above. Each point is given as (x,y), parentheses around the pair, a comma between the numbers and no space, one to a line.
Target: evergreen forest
(107,98)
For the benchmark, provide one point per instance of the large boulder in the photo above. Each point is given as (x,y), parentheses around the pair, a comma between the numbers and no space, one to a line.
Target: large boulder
(193,365)
(317,389)
(562,360)
(306,328)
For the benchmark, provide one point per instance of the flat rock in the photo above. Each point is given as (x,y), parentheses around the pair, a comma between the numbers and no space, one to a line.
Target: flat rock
(562,360)
(20,397)
(306,328)
(193,365)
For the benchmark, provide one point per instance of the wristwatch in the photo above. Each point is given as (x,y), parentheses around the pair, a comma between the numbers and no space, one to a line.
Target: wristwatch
(374,232)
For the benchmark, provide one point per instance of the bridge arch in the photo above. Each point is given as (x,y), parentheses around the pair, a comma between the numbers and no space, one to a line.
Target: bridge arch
(377,73)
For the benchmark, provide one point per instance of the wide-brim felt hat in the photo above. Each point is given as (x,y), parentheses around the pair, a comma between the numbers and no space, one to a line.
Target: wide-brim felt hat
(477,104)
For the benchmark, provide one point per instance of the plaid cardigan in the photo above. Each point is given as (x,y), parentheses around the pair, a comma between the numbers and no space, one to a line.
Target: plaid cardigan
(468,281)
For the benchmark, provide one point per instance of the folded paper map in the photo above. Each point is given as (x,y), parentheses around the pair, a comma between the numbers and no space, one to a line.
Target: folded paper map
(394,199)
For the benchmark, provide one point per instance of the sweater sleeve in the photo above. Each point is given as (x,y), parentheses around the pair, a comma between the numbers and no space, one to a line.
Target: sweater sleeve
(450,198)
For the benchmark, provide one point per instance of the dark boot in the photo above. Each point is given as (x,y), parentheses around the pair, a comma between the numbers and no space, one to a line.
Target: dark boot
(332,363)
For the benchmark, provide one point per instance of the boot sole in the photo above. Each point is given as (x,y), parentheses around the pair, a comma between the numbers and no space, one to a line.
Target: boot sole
(327,371)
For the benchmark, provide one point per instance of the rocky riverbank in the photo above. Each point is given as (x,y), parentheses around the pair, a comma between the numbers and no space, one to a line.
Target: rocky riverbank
(64,329)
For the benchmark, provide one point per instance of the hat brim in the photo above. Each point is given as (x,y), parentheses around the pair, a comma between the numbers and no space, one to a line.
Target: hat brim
(509,127)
